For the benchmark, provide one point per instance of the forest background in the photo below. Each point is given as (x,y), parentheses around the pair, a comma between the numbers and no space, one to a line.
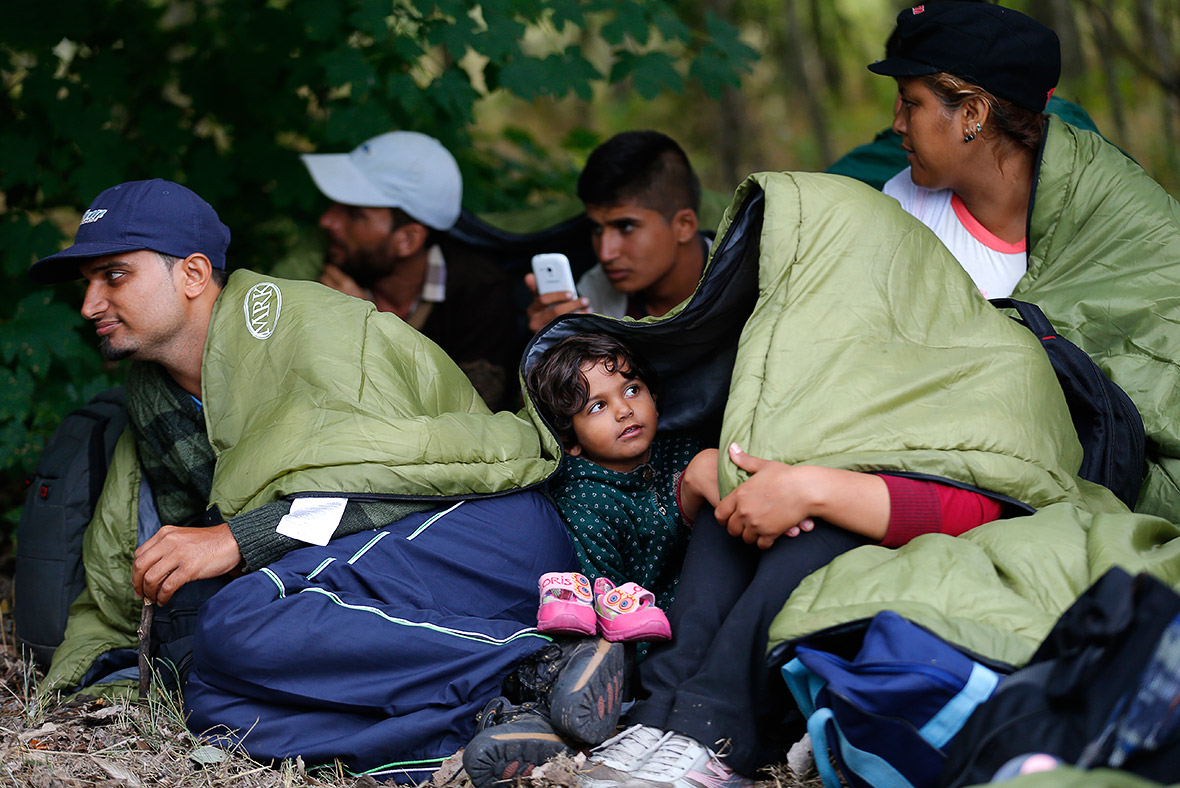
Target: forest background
(222,95)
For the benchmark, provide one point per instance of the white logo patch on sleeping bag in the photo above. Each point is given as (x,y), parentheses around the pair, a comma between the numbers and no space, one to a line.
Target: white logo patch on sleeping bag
(262,306)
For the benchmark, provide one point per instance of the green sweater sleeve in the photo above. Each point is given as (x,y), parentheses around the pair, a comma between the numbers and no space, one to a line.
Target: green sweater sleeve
(260,544)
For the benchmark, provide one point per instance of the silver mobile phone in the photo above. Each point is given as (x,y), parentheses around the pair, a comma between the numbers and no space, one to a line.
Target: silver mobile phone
(552,270)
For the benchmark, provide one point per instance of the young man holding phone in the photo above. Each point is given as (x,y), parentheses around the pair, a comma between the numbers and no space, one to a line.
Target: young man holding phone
(642,195)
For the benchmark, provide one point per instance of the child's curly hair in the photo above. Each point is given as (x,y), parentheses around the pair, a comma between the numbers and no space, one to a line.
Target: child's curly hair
(557,382)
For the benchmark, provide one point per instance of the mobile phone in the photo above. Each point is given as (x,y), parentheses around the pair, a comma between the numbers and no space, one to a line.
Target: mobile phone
(552,270)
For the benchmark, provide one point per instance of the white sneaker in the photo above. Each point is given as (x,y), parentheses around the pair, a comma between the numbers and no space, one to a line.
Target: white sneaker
(672,760)
(683,762)
(610,764)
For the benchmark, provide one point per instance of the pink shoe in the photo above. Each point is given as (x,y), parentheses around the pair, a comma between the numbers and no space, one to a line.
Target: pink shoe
(628,612)
(566,604)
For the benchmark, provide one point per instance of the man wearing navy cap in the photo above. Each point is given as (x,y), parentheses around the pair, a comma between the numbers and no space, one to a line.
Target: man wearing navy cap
(394,197)
(153,256)
(267,415)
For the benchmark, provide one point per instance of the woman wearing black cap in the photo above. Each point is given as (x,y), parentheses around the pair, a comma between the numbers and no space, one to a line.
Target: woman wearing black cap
(1038,209)
(973,80)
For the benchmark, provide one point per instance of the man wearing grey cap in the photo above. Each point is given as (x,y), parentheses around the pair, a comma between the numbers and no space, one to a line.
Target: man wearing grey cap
(394,197)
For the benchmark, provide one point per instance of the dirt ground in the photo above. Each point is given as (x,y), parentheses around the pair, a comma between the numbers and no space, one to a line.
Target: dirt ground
(87,742)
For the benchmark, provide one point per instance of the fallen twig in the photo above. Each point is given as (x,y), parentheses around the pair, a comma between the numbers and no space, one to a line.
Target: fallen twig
(145,641)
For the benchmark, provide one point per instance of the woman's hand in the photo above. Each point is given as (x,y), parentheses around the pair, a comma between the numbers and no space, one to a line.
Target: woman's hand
(775,501)
(780,499)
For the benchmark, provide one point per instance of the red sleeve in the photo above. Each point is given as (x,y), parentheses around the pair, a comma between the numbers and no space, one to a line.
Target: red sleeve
(917,507)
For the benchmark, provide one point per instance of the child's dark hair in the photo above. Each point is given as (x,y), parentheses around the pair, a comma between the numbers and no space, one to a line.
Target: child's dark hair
(558,385)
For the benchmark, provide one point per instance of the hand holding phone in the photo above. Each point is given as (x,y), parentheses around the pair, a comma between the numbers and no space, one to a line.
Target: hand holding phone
(553,274)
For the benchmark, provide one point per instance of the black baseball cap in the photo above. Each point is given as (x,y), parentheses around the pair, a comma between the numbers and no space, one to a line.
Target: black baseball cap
(158,215)
(1008,54)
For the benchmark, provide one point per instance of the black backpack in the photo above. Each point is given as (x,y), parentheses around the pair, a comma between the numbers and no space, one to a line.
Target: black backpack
(1103,690)
(1107,422)
(58,508)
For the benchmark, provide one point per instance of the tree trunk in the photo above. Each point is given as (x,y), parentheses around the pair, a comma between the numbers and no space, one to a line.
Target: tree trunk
(730,128)
(1060,15)
(1153,31)
(799,61)
(1102,30)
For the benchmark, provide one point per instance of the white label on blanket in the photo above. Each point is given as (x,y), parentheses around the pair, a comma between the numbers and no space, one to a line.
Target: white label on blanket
(312,520)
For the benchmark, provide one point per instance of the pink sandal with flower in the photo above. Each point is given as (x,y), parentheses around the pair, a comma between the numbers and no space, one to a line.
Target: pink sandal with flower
(628,612)
(566,604)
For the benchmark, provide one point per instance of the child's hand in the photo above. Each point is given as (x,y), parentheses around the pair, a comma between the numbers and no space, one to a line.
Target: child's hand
(698,485)
(773,502)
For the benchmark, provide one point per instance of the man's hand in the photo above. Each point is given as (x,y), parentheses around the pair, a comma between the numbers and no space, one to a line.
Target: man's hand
(549,305)
(773,502)
(174,556)
(334,277)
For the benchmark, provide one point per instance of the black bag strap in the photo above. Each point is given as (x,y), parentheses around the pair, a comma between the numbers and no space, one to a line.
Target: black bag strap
(1106,420)
(1030,314)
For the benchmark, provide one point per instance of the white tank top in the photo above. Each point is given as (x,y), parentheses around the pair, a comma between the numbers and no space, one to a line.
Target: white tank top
(993,264)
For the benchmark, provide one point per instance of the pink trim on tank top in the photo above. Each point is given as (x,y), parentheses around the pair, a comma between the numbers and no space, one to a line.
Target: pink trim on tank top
(981,233)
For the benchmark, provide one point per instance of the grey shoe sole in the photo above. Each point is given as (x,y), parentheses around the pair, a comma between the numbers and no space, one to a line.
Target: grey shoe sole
(588,695)
(502,754)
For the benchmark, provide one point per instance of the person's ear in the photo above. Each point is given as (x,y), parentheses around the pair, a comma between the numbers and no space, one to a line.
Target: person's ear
(409,239)
(976,112)
(196,272)
(685,225)
(574,450)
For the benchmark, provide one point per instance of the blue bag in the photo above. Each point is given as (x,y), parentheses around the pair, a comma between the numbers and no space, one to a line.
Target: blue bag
(887,715)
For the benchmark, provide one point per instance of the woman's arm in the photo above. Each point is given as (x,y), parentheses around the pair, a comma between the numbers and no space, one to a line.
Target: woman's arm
(778,498)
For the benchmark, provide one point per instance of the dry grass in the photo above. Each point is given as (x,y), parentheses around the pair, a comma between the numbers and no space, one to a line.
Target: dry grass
(87,742)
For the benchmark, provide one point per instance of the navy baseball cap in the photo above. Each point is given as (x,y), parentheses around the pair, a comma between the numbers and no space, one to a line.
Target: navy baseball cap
(1006,53)
(158,215)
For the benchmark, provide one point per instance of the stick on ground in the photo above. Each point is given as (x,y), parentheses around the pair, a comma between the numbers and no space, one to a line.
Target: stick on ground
(145,642)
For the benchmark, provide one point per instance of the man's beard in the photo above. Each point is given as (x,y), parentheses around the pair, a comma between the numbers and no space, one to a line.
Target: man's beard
(112,353)
(365,266)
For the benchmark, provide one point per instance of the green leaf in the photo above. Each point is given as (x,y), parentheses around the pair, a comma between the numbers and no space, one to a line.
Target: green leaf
(454,94)
(720,63)
(563,12)
(651,74)
(401,90)
(501,39)
(347,66)
(23,242)
(15,446)
(321,18)
(351,123)
(42,329)
(456,36)
(630,20)
(725,37)
(712,73)
(670,26)
(18,160)
(556,75)
(16,394)
(524,76)
(370,17)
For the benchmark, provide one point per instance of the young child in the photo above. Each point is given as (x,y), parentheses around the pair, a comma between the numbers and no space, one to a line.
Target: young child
(620,490)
